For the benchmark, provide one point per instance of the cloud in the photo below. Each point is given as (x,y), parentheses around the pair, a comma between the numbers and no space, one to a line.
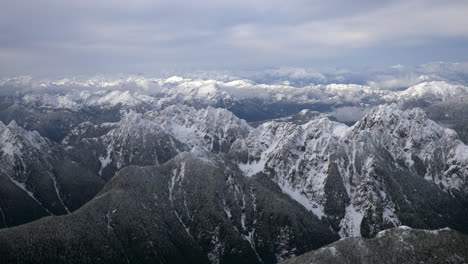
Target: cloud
(405,23)
(350,114)
(122,35)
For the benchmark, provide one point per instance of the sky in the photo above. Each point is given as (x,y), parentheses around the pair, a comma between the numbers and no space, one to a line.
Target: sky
(54,37)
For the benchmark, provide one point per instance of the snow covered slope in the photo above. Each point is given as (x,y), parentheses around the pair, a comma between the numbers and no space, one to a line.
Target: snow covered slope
(213,129)
(419,144)
(347,173)
(203,170)
(134,140)
(37,178)
(338,172)
(73,93)
(352,176)
(428,93)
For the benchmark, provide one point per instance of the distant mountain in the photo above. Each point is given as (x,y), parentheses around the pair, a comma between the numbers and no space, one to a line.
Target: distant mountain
(55,107)
(427,93)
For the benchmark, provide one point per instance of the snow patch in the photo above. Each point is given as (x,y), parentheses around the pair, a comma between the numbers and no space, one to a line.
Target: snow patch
(253,168)
(105,160)
(351,223)
(312,206)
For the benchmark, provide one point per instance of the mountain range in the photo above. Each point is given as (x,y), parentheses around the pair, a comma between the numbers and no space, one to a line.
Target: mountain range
(205,171)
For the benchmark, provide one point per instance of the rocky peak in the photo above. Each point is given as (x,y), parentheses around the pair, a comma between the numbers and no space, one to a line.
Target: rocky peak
(212,128)
(417,143)
(14,140)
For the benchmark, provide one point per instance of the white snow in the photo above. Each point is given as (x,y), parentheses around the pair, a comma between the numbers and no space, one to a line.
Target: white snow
(9,149)
(57,192)
(403,227)
(177,178)
(332,250)
(105,160)
(227,210)
(133,90)
(461,151)
(390,216)
(351,223)
(437,231)
(341,130)
(254,167)
(434,90)
(304,150)
(303,200)
(22,186)
(407,228)
(3,217)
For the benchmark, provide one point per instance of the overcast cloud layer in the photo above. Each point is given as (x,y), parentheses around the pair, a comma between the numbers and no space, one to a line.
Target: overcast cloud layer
(54,37)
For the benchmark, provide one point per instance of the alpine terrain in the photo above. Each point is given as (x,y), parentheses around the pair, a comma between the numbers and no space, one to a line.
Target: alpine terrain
(181,170)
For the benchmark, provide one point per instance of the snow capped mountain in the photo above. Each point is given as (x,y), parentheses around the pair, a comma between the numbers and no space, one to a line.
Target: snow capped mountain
(419,143)
(50,101)
(307,155)
(353,92)
(17,142)
(21,153)
(331,169)
(285,148)
(338,171)
(134,140)
(243,97)
(335,171)
(37,177)
(213,215)
(213,129)
(428,92)
(75,99)
(244,167)
(211,178)
(301,159)
(154,137)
